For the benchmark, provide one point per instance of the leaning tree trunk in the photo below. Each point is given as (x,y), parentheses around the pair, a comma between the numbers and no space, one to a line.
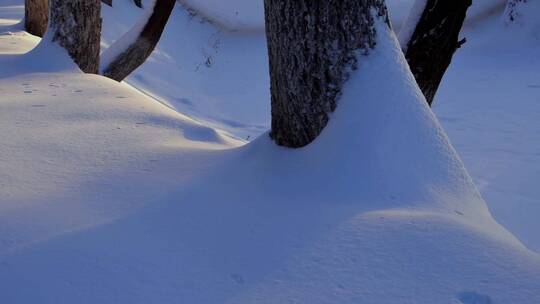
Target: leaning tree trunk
(36,15)
(76,26)
(434,41)
(311,46)
(132,50)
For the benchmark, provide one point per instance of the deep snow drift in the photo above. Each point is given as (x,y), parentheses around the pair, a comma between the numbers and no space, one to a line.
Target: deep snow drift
(487,104)
(109,196)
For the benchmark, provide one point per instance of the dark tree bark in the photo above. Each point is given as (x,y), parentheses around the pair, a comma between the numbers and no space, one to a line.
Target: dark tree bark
(311,46)
(138,3)
(135,54)
(434,42)
(109,2)
(36,15)
(76,26)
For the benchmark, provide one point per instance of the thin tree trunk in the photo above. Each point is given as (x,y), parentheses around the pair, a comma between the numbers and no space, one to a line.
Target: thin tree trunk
(312,44)
(36,15)
(122,58)
(434,41)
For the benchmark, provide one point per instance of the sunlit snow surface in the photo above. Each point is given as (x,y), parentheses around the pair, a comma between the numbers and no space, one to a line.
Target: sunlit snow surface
(221,78)
(111,197)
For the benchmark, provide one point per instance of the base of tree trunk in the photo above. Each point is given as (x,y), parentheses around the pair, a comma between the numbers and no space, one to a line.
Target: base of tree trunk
(135,54)
(36,15)
(312,44)
(434,42)
(76,26)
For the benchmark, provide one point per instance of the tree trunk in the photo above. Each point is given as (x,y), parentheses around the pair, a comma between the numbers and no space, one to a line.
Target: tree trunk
(108,2)
(36,15)
(76,26)
(434,41)
(312,44)
(122,58)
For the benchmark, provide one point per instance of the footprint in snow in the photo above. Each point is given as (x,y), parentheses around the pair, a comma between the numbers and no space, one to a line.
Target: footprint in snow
(471,297)
(237,278)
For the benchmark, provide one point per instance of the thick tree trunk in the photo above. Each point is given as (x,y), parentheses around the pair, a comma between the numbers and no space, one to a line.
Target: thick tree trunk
(312,44)
(36,15)
(434,42)
(122,58)
(76,26)
(110,2)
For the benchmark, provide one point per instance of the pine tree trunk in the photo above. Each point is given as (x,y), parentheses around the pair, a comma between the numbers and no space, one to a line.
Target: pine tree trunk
(312,44)
(434,42)
(135,53)
(76,26)
(36,15)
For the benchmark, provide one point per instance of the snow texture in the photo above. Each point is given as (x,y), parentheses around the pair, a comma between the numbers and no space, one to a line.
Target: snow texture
(108,196)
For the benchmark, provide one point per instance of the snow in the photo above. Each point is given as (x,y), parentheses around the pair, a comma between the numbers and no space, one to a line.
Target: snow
(407,29)
(232,94)
(111,196)
(232,15)
(493,117)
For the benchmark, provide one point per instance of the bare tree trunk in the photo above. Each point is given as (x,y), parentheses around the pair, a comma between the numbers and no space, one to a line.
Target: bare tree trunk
(312,44)
(108,2)
(434,41)
(36,15)
(76,26)
(122,58)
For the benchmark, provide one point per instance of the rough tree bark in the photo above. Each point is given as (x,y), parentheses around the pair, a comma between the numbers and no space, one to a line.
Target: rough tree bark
(312,44)
(122,58)
(36,15)
(76,26)
(110,2)
(434,41)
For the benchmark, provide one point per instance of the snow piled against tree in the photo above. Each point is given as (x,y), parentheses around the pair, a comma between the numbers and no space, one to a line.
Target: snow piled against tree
(114,198)
(122,44)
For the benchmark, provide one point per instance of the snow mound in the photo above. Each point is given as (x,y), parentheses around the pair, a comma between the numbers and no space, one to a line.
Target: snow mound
(111,197)
(75,146)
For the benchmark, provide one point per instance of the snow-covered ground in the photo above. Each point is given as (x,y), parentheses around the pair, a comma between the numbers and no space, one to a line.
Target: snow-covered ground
(111,196)
(220,77)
